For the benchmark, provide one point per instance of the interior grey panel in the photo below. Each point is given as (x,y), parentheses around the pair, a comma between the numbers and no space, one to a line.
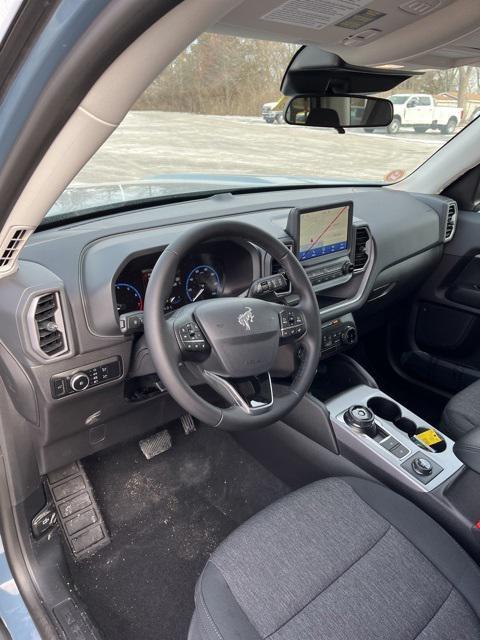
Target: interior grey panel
(81,263)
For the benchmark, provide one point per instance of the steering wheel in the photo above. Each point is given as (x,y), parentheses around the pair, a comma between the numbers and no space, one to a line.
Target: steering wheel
(231,343)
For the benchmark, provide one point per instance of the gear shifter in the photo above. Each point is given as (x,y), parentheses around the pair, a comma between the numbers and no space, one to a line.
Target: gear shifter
(361,419)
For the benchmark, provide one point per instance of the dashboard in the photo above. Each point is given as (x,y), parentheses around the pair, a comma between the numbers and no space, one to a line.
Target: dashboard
(216,269)
(87,275)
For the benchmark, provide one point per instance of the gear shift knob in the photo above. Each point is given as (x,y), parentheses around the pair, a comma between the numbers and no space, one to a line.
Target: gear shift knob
(361,419)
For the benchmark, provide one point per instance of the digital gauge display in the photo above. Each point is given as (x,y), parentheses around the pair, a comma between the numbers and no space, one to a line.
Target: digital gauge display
(194,281)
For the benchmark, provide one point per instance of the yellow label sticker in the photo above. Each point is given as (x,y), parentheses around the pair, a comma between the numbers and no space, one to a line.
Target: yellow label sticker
(429,437)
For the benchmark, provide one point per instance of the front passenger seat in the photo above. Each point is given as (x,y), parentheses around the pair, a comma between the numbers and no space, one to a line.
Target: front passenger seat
(341,559)
(462,413)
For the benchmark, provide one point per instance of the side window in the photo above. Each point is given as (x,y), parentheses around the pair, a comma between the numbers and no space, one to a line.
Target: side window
(424,101)
(413,102)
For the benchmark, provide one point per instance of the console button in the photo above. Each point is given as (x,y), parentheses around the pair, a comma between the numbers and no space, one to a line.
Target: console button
(399,451)
(58,387)
(422,466)
(389,443)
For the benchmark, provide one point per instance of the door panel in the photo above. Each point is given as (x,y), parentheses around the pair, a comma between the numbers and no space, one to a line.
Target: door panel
(443,344)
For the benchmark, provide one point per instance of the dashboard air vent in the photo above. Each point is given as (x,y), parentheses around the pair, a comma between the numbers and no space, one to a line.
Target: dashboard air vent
(11,246)
(451,221)
(360,259)
(49,325)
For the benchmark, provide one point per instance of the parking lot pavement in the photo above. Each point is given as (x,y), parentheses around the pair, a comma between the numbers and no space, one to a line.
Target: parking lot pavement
(151,143)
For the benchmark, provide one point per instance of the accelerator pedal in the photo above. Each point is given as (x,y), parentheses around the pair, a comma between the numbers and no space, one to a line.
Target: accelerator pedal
(156,444)
(78,512)
(188,423)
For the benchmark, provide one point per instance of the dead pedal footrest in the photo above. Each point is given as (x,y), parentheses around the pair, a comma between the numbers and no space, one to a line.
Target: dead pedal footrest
(77,509)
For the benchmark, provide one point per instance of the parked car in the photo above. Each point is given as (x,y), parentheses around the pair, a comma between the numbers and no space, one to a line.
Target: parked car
(239,365)
(272,112)
(420,111)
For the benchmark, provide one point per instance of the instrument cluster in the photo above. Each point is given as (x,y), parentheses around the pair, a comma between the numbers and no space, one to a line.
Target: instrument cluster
(199,278)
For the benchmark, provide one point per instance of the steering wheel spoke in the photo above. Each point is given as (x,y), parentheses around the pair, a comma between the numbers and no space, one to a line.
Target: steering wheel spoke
(254,394)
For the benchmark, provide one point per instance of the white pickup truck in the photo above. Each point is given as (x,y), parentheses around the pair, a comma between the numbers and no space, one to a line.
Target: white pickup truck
(419,110)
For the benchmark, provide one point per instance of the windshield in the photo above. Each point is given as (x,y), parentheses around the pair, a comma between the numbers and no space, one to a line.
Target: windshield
(398,99)
(213,121)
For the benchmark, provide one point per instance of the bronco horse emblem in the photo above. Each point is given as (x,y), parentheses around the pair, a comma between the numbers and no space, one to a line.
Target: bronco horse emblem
(246,318)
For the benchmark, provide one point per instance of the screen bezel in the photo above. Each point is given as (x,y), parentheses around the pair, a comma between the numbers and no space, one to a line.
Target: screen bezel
(293,228)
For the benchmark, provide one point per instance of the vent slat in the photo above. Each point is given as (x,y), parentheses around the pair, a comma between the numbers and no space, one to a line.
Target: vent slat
(362,236)
(51,341)
(451,223)
(11,246)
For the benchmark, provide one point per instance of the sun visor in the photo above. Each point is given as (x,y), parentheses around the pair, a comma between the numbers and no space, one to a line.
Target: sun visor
(313,71)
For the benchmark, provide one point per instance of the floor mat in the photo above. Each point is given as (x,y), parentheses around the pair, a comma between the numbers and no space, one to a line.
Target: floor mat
(165,517)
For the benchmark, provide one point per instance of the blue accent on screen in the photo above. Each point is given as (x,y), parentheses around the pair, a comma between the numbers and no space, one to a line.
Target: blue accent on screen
(318,252)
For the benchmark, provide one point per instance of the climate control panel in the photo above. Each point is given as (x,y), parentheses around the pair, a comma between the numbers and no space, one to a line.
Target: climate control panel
(332,274)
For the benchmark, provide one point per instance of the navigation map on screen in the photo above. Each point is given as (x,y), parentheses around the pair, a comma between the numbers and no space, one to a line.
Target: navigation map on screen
(323,232)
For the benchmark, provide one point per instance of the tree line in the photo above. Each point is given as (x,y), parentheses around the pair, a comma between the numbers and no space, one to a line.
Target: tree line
(226,75)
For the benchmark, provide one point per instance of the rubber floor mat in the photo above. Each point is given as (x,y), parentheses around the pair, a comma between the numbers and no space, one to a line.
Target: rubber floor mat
(165,516)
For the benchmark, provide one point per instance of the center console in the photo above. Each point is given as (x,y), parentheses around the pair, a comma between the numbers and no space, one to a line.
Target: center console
(389,436)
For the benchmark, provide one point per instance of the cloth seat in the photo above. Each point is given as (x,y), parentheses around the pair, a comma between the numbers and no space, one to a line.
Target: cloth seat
(341,559)
(462,413)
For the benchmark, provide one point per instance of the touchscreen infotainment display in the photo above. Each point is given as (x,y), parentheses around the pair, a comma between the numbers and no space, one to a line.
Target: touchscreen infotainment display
(323,232)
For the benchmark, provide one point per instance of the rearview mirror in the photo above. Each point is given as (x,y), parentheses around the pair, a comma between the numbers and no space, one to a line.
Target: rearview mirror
(339,112)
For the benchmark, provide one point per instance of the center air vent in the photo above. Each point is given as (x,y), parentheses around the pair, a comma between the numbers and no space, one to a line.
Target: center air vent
(49,325)
(360,259)
(451,221)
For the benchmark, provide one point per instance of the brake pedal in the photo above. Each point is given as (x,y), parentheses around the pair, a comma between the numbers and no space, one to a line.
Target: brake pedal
(156,444)
(78,512)
(188,424)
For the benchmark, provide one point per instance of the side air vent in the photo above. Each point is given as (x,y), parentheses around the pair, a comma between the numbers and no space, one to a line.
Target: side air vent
(451,221)
(276,267)
(11,246)
(360,258)
(49,325)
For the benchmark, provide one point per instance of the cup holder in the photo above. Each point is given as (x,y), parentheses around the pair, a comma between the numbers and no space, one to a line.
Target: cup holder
(384,408)
(391,411)
(406,425)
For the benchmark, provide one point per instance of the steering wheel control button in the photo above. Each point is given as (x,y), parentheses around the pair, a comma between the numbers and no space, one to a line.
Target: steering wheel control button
(422,466)
(423,469)
(292,323)
(361,419)
(191,338)
(79,381)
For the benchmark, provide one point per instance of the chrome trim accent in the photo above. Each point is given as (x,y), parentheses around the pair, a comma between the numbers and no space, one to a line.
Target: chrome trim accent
(229,392)
(368,247)
(347,304)
(59,321)
(454,215)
